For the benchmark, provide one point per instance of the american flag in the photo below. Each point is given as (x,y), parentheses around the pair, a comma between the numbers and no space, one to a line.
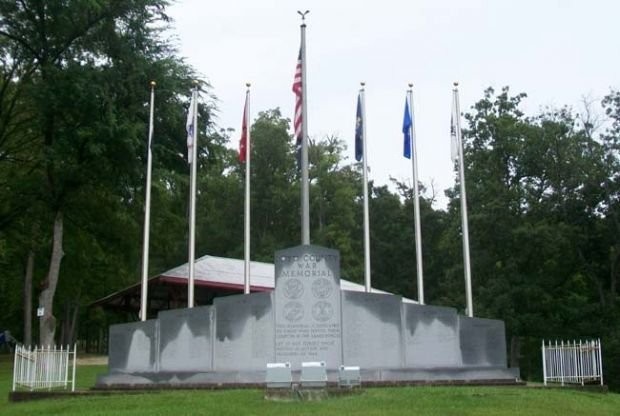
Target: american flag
(297,89)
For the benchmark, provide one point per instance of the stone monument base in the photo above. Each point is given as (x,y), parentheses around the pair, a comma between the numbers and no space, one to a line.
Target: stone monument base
(256,379)
(307,318)
(231,342)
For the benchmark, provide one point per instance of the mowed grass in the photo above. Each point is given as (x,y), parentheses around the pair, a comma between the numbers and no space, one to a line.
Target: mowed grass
(458,400)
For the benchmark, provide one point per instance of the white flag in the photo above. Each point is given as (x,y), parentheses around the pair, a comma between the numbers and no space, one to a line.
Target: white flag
(454,150)
(189,126)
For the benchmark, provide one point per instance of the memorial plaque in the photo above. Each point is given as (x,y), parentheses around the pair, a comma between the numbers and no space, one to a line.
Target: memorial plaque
(185,339)
(371,325)
(307,300)
(243,332)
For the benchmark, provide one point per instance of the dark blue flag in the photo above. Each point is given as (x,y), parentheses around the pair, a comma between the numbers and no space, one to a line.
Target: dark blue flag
(359,131)
(407,131)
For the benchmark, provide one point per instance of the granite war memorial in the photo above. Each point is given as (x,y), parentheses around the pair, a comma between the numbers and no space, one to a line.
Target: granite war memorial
(307,318)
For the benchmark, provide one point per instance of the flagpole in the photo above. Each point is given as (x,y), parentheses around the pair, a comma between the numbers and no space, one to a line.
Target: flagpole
(305,187)
(465,227)
(367,283)
(248,144)
(147,213)
(192,200)
(416,202)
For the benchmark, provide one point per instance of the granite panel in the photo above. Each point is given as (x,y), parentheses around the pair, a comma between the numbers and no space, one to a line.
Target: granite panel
(307,306)
(483,342)
(371,327)
(244,332)
(431,336)
(185,339)
(133,347)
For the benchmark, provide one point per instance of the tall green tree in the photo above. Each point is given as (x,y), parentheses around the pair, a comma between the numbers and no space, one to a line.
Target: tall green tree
(83,68)
(540,193)
(335,204)
(275,189)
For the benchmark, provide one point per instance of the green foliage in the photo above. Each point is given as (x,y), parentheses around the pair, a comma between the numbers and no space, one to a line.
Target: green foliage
(73,122)
(274,187)
(542,195)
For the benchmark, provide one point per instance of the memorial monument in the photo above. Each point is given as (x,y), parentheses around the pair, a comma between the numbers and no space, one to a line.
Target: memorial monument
(307,318)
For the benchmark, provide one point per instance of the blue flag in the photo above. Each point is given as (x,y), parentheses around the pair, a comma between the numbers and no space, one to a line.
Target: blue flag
(407,131)
(359,131)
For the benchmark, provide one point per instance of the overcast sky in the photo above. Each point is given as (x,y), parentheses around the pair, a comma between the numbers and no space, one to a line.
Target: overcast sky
(557,51)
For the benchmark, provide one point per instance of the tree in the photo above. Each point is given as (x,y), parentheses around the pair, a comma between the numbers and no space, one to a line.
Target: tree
(274,188)
(335,202)
(82,70)
(540,196)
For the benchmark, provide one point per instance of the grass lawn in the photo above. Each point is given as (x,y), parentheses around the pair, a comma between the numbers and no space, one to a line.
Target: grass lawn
(460,400)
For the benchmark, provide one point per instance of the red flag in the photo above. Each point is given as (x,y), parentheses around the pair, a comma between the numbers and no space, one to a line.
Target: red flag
(243,142)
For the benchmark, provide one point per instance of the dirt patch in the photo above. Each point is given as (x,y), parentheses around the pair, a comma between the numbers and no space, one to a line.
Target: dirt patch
(92,360)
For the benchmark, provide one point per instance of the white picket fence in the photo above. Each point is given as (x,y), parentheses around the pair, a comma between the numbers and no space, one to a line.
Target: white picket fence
(44,368)
(572,363)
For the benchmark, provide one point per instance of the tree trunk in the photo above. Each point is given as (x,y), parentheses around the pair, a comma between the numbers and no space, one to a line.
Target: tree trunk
(28,299)
(47,327)
(515,351)
(72,336)
(67,336)
(613,275)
